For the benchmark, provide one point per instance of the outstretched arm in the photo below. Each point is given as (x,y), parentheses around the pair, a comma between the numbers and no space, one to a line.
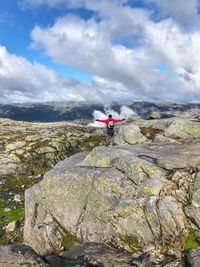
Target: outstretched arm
(115,120)
(104,121)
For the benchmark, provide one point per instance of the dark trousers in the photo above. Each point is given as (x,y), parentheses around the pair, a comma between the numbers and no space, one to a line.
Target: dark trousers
(110,136)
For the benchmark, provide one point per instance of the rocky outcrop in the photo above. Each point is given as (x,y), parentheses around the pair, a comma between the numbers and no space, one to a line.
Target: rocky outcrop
(133,197)
(20,255)
(175,128)
(141,195)
(27,145)
(27,151)
(183,129)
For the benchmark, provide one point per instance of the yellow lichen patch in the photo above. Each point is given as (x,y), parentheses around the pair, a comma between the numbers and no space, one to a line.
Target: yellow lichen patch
(125,211)
(108,186)
(150,216)
(99,205)
(103,162)
(89,156)
(147,168)
(190,129)
(149,191)
(137,168)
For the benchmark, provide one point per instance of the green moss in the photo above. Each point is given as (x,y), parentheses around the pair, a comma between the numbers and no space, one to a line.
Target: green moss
(12,185)
(18,183)
(12,215)
(16,214)
(190,241)
(131,243)
(91,142)
(69,240)
(11,238)
(38,170)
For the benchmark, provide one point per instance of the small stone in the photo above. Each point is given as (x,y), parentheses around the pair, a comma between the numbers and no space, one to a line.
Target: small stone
(18,198)
(7,209)
(12,226)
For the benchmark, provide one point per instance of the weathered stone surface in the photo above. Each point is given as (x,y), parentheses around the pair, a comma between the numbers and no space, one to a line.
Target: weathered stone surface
(44,236)
(193,210)
(19,255)
(193,258)
(91,254)
(166,155)
(155,124)
(130,199)
(148,259)
(160,138)
(129,134)
(183,129)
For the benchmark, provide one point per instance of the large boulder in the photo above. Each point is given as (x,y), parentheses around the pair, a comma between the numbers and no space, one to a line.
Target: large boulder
(129,134)
(154,115)
(181,128)
(129,196)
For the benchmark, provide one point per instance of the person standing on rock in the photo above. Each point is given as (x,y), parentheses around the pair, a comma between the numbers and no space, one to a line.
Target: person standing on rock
(110,121)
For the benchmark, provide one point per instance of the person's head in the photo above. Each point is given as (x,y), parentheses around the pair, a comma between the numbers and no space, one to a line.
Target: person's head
(109,116)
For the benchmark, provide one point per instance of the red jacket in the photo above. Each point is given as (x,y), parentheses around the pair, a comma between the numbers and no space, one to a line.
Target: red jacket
(106,121)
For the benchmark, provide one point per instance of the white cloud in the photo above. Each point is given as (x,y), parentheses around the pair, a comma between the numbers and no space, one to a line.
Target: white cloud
(22,81)
(99,47)
(182,11)
(121,46)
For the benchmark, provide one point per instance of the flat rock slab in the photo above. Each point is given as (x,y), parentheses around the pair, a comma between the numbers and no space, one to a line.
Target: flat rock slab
(91,254)
(20,255)
(166,155)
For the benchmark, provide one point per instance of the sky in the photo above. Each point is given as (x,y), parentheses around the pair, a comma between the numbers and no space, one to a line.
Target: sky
(99,50)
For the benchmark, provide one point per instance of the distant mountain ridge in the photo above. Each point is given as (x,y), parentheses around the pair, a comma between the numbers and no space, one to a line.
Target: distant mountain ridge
(68,111)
